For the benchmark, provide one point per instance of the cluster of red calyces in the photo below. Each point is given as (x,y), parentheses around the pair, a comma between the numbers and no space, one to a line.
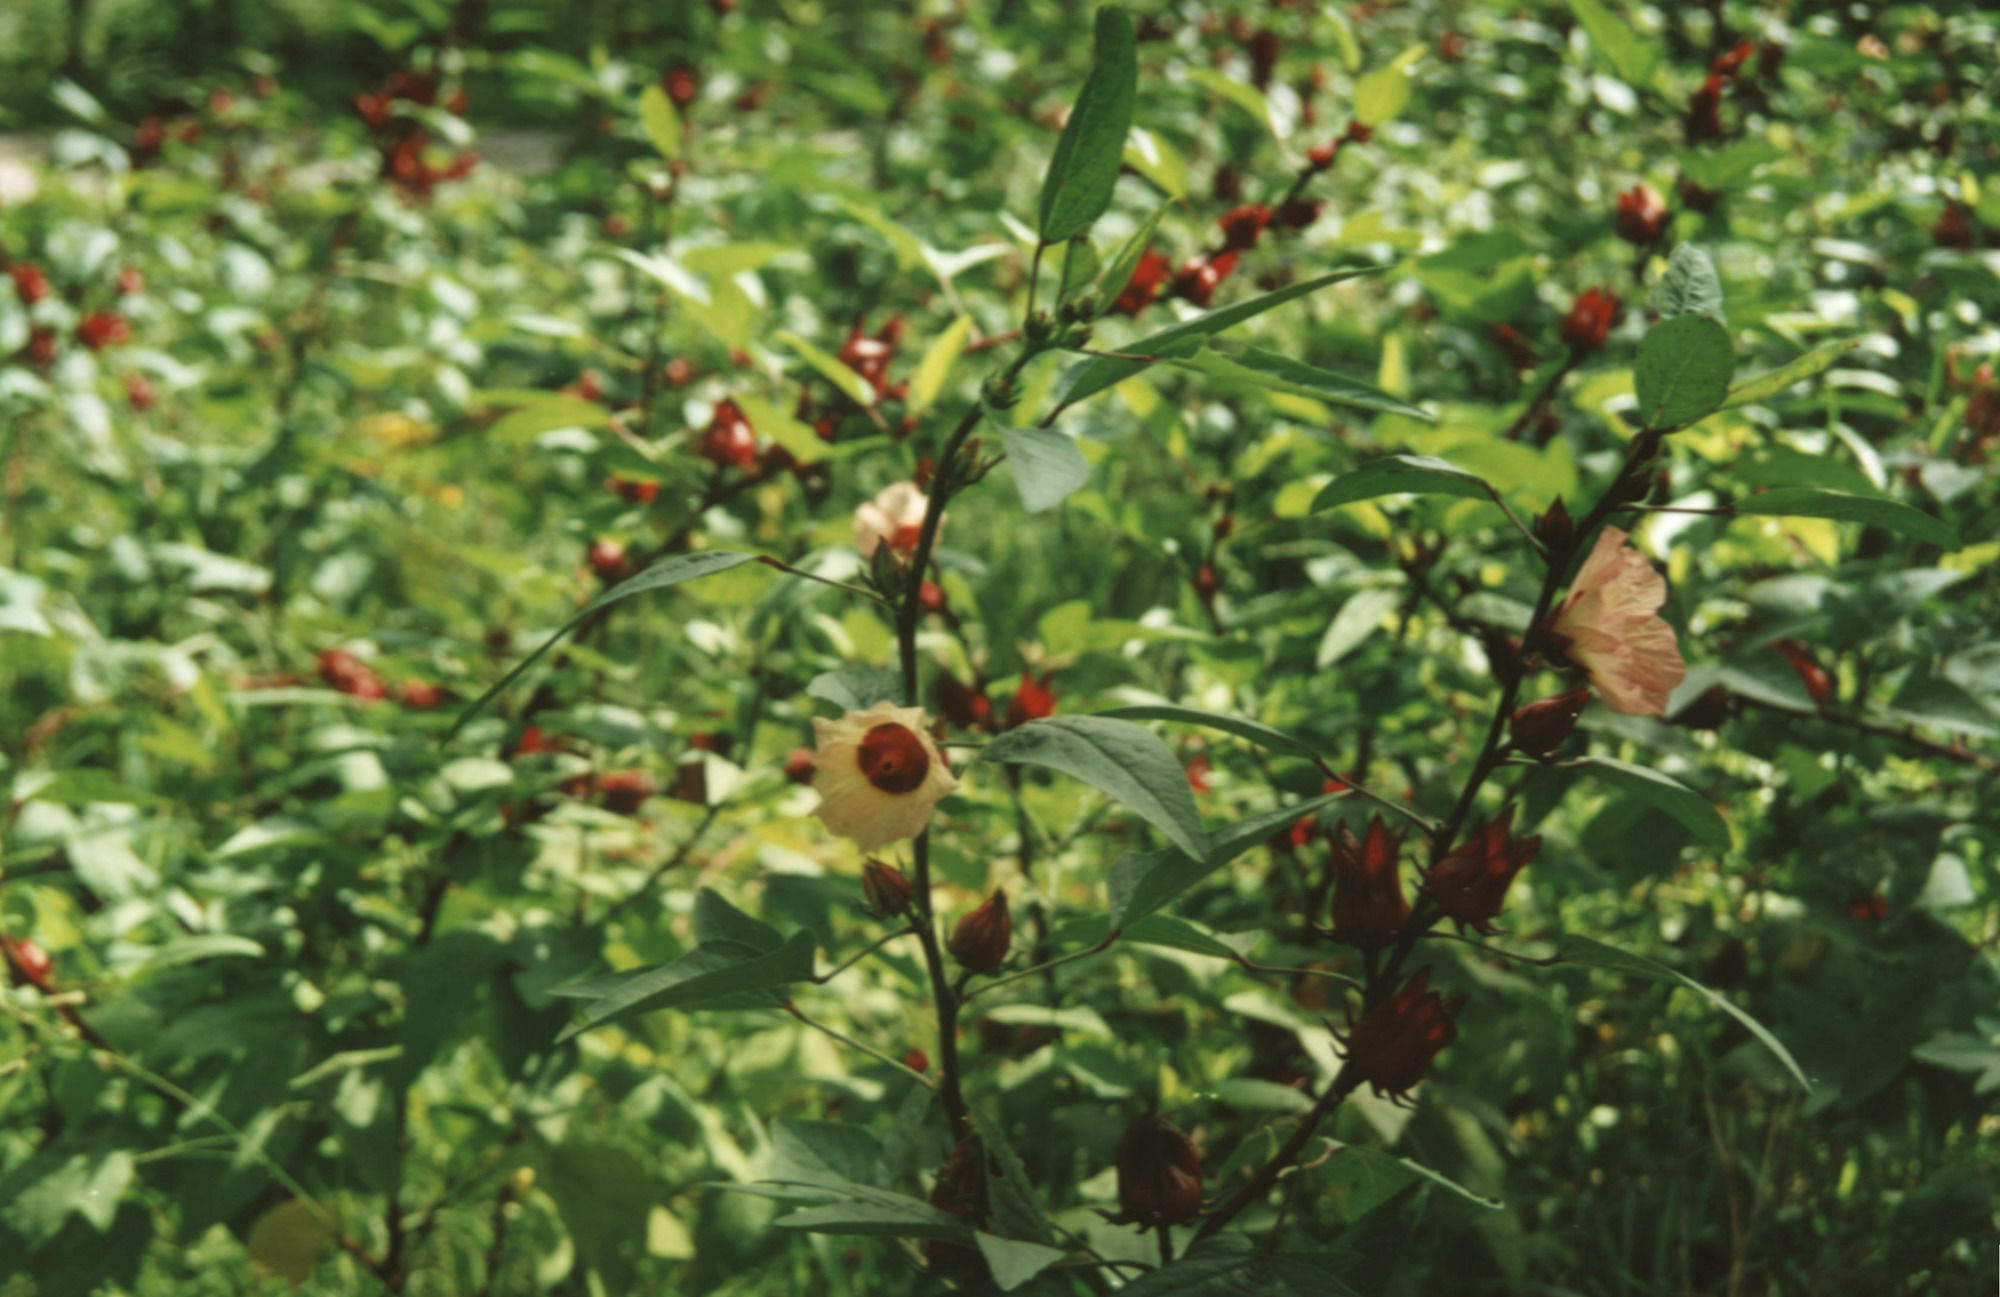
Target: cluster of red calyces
(408,160)
(1703,120)
(1393,1043)
(966,706)
(96,331)
(868,355)
(1641,215)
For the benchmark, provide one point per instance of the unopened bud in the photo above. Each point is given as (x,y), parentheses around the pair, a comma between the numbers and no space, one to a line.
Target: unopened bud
(887,889)
(982,938)
(1554,529)
(1542,726)
(1159,1173)
(1039,328)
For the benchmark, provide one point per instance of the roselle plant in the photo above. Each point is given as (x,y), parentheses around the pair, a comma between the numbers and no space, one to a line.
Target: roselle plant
(1200,651)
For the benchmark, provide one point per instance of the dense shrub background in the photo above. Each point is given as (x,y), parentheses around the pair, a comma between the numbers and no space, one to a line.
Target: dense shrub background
(299,1023)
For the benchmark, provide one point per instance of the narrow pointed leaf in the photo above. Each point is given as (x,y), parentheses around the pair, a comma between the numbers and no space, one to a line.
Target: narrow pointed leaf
(1666,794)
(1401,475)
(1094,375)
(1582,950)
(1844,506)
(1762,387)
(667,572)
(712,971)
(1276,373)
(1081,175)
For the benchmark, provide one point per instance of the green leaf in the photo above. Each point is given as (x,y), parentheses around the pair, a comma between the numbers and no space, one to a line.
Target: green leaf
(1662,793)
(1142,882)
(936,365)
(1683,371)
(1084,170)
(1117,272)
(712,971)
(715,919)
(1762,387)
(1385,92)
(1255,731)
(547,414)
(1358,618)
(1048,467)
(85,787)
(1245,96)
(1182,340)
(206,945)
(667,572)
(1219,1273)
(905,1218)
(797,438)
(857,688)
(1015,1209)
(1595,954)
(1275,373)
(1013,1262)
(662,123)
(1845,506)
(1117,757)
(850,384)
(1156,160)
(1633,58)
(1401,475)
(1690,286)
(40,1200)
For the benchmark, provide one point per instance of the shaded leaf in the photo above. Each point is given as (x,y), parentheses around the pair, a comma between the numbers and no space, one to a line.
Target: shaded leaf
(1401,475)
(1845,506)
(1666,794)
(1142,882)
(1048,467)
(1116,757)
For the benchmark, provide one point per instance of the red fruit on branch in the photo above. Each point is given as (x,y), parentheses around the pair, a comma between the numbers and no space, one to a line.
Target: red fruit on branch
(1819,685)
(1641,215)
(1544,725)
(607,559)
(27,958)
(887,888)
(1469,886)
(729,439)
(1368,904)
(140,392)
(1589,320)
(1147,277)
(30,284)
(983,936)
(351,676)
(1159,1174)
(1395,1042)
(1031,702)
(101,329)
(1243,226)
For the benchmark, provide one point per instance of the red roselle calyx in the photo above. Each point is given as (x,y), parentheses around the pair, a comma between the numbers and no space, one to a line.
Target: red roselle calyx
(1368,904)
(1159,1174)
(1589,320)
(1544,725)
(1031,702)
(1642,214)
(1470,884)
(982,938)
(1819,685)
(888,890)
(1395,1041)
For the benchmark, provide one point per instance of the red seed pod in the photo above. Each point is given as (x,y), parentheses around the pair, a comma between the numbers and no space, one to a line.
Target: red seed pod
(1159,1174)
(28,959)
(420,695)
(41,348)
(1704,112)
(1470,884)
(30,284)
(1243,226)
(1520,353)
(607,559)
(1395,1041)
(729,438)
(351,676)
(1730,63)
(1297,213)
(680,84)
(1198,279)
(1320,156)
(1819,685)
(1032,701)
(917,1061)
(140,392)
(1590,319)
(1697,199)
(964,706)
(1206,583)
(799,765)
(1544,725)
(1147,277)
(1368,904)
(1199,768)
(888,891)
(622,791)
(131,282)
(983,936)
(1641,215)
(101,329)
(1359,133)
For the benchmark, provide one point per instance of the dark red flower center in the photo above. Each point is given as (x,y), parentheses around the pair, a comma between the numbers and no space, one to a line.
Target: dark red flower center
(893,758)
